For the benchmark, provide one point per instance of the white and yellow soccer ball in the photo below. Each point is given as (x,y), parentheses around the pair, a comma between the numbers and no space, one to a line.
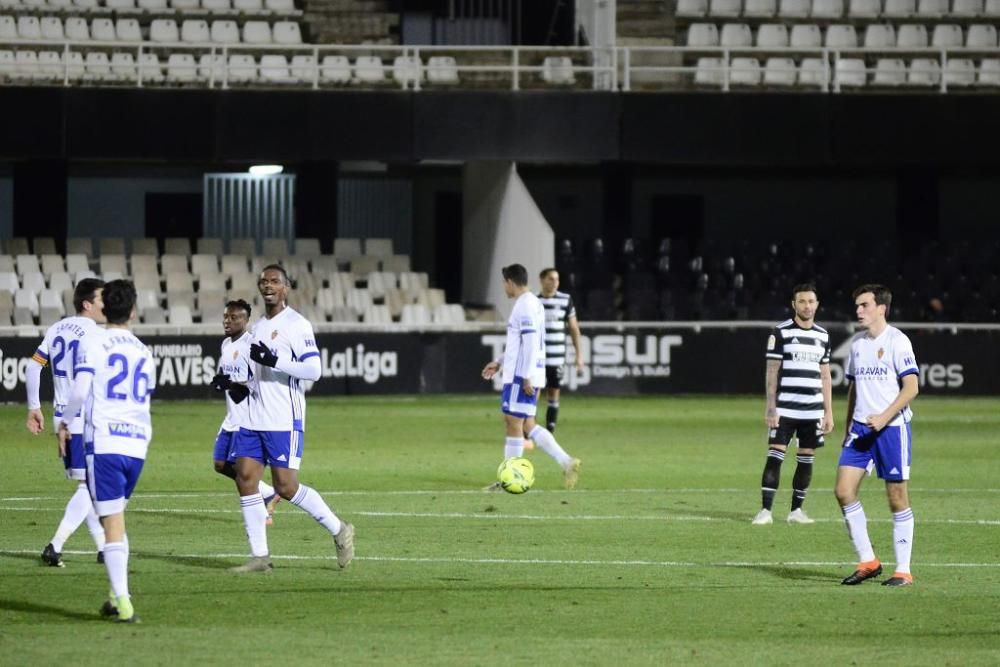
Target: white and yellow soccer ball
(516,475)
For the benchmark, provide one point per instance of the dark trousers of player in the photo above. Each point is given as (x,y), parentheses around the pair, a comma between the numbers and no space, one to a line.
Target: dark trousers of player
(553,378)
(808,436)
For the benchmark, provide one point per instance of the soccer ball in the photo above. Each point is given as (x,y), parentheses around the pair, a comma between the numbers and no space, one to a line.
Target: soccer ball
(516,475)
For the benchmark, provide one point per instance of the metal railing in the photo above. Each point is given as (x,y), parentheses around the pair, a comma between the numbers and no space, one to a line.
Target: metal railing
(497,67)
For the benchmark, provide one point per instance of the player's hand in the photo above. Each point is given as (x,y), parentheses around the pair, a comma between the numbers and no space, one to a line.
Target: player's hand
(262,355)
(63,436)
(827,424)
(221,382)
(528,389)
(877,422)
(238,392)
(771,418)
(35,422)
(490,370)
(579,364)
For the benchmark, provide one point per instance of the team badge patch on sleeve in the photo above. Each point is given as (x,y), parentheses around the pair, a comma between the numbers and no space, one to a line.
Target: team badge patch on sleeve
(770,342)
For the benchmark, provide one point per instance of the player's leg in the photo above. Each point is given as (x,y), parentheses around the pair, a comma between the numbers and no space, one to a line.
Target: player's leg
(547,443)
(809,438)
(777,444)
(224,462)
(80,507)
(284,454)
(892,460)
(111,480)
(249,452)
(553,382)
(854,459)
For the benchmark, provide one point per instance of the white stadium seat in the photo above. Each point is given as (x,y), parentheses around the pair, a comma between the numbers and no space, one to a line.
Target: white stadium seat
(911,36)
(8,28)
(851,72)
(932,8)
(702,34)
(152,5)
(195,31)
(151,68)
(52,28)
(889,72)
(442,70)
(103,30)
(406,70)
(50,65)
(77,29)
(736,35)
(182,68)
(841,37)
(248,6)
(924,72)
(369,69)
(744,72)
(164,30)
(981,36)
(724,8)
(335,69)
(899,9)
(120,5)
(242,68)
(989,72)
(123,68)
(287,32)
(558,70)
(880,37)
(691,8)
(709,72)
(225,32)
(864,9)
(257,32)
(827,9)
(967,8)
(772,35)
(211,68)
(28,27)
(280,6)
(946,36)
(760,8)
(128,30)
(216,6)
(960,72)
(274,69)
(794,9)
(806,36)
(75,68)
(779,72)
(812,72)
(991,8)
(304,68)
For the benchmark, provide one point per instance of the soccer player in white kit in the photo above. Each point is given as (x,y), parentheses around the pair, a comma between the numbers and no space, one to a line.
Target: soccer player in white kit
(284,350)
(884,380)
(523,365)
(232,379)
(60,349)
(114,381)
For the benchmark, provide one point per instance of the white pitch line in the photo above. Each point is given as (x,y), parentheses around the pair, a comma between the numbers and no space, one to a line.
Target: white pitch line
(528,561)
(510,517)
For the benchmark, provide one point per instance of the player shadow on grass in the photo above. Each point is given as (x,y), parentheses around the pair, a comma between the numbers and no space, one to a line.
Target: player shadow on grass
(32,608)
(191,561)
(792,572)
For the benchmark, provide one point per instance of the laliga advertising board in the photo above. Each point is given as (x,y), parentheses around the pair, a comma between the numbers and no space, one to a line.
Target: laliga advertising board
(617,361)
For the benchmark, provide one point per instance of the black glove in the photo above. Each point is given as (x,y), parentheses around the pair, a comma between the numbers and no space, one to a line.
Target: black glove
(238,392)
(221,382)
(262,355)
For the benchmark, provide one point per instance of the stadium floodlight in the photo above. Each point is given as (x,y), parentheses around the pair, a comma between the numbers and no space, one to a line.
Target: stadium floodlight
(266,169)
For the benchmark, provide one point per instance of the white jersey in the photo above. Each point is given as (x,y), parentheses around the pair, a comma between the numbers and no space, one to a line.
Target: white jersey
(117,411)
(235,362)
(876,367)
(524,356)
(280,403)
(60,348)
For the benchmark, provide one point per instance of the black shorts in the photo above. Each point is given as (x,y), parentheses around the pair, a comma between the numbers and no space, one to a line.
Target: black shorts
(554,376)
(808,434)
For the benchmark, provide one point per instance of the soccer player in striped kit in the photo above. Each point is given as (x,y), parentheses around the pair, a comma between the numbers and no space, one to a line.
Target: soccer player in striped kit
(884,380)
(560,317)
(799,401)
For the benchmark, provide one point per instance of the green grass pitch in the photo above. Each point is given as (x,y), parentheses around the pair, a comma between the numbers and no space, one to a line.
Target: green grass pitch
(651,561)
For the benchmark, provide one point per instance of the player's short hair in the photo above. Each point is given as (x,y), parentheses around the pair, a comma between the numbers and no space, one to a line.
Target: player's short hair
(119,300)
(883,295)
(547,271)
(515,273)
(804,287)
(86,290)
(239,304)
(280,269)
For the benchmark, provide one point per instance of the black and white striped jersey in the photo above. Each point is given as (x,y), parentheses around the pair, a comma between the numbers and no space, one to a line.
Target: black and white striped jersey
(559,309)
(801,353)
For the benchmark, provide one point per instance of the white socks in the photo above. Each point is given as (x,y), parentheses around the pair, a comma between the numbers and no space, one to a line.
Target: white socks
(116,562)
(77,509)
(313,503)
(544,439)
(513,447)
(902,538)
(266,490)
(255,519)
(857,528)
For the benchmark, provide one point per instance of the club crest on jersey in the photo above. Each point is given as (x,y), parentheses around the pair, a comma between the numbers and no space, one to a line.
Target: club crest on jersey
(274,334)
(881,351)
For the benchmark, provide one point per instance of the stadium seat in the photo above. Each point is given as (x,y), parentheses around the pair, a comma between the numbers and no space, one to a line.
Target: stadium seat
(889,72)
(710,71)
(225,32)
(103,30)
(8,28)
(154,316)
(772,35)
(304,68)
(841,37)
(195,31)
(989,72)
(274,246)
(257,32)
(764,9)
(61,282)
(376,314)
(827,9)
(50,65)
(113,263)
(151,68)
(724,8)
(806,36)
(28,27)
(702,34)
(123,66)
(27,299)
(864,9)
(26,65)
(164,30)
(736,35)
(378,247)
(171,263)
(812,71)
(991,8)
(406,70)
(337,69)
(128,30)
(144,246)
(946,36)
(880,37)
(9,281)
(899,9)
(120,5)
(932,9)
(73,65)
(362,266)
(442,70)
(415,314)
(76,29)
(396,264)
(274,69)
(86,5)
(152,5)
(182,68)
(779,72)
(744,72)
(558,71)
(248,6)
(209,246)
(924,72)
(180,315)
(280,6)
(981,36)
(347,248)
(52,263)
(211,68)
(794,9)
(217,6)
(960,72)
(911,36)
(32,280)
(967,8)
(243,246)
(242,68)
(27,263)
(287,32)
(52,28)
(691,8)
(369,69)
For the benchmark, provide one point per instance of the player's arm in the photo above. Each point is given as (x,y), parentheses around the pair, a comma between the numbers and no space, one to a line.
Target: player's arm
(527,358)
(33,381)
(910,387)
(771,392)
(81,389)
(492,368)
(852,399)
(306,367)
(826,381)
(574,334)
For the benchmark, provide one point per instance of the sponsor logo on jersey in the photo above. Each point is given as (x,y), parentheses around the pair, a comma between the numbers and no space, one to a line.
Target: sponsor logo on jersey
(124,430)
